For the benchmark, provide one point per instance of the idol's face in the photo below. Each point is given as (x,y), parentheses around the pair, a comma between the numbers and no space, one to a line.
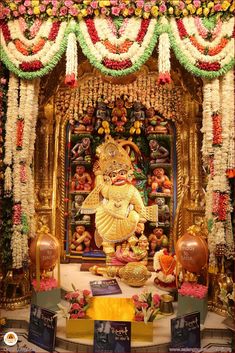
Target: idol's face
(118,177)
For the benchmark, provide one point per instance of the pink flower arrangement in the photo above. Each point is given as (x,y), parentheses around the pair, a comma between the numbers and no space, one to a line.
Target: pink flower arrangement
(46,284)
(146,306)
(193,290)
(79,303)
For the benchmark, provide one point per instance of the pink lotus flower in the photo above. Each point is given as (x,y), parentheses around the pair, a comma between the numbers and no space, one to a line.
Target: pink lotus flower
(115,10)
(162,8)
(22,9)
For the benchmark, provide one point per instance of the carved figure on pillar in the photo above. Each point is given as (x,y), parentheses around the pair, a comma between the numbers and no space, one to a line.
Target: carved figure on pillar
(115,201)
(158,153)
(81,180)
(81,240)
(160,182)
(119,115)
(155,123)
(82,150)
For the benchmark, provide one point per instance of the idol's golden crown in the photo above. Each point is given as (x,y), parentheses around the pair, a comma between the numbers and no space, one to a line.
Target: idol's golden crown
(112,156)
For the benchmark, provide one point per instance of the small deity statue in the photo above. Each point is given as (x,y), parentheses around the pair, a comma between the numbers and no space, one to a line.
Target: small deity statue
(102,118)
(115,201)
(158,153)
(160,182)
(164,263)
(119,115)
(81,180)
(81,240)
(85,123)
(82,150)
(155,123)
(163,212)
(137,118)
(157,239)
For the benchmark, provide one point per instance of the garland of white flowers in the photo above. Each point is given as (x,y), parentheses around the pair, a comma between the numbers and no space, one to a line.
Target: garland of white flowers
(218,156)
(71,60)
(20,138)
(157,267)
(164,63)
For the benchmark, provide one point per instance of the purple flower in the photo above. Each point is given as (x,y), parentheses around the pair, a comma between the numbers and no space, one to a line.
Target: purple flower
(21,9)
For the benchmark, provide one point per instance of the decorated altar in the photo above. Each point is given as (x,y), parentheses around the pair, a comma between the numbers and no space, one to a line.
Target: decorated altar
(117,139)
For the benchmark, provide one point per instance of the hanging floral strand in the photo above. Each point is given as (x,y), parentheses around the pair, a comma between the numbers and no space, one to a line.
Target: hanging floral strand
(164,63)
(71,61)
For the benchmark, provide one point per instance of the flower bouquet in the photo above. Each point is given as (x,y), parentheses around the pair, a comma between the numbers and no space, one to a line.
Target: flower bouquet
(147,306)
(192,297)
(79,303)
(46,292)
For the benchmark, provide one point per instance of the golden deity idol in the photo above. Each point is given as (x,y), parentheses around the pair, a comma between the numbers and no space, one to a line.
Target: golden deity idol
(115,201)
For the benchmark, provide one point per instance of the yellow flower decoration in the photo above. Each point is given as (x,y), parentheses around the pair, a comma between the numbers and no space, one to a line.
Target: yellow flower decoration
(154,11)
(176,2)
(146,15)
(199,11)
(206,11)
(185,12)
(83,12)
(191,8)
(36,10)
(49,12)
(86,2)
(210,5)
(12,6)
(125,12)
(35,3)
(96,12)
(138,12)
(171,10)
(225,5)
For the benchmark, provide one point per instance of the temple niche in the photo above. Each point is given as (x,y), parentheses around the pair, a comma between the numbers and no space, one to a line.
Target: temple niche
(153,121)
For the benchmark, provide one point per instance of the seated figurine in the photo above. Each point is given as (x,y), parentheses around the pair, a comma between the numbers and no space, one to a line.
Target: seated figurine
(102,118)
(81,180)
(85,123)
(157,239)
(137,118)
(160,182)
(155,123)
(82,150)
(81,240)
(158,153)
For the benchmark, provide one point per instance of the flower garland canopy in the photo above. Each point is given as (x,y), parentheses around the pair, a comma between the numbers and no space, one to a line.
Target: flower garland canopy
(117,46)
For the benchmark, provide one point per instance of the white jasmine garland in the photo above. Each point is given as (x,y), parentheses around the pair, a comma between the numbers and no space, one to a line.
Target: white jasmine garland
(71,55)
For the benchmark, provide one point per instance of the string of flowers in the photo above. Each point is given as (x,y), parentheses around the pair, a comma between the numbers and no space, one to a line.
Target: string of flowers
(164,64)
(72,9)
(71,61)
(147,306)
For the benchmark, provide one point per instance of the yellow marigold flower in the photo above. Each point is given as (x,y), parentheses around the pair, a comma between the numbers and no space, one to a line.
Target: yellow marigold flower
(36,10)
(191,8)
(199,11)
(185,12)
(188,1)
(210,5)
(106,3)
(84,12)
(177,12)
(154,11)
(146,15)
(105,124)
(127,2)
(138,12)
(175,2)
(125,12)
(86,2)
(132,130)
(49,12)
(138,131)
(232,7)
(171,10)
(35,3)
(102,3)
(225,5)
(12,6)
(206,11)
(96,12)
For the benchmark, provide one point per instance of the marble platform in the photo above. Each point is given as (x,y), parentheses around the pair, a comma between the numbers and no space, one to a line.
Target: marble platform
(212,332)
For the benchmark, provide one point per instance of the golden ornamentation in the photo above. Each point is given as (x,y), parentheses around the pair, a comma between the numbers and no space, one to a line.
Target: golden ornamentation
(134,274)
